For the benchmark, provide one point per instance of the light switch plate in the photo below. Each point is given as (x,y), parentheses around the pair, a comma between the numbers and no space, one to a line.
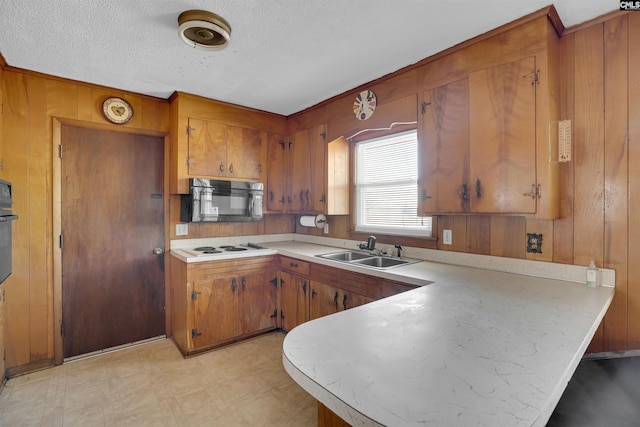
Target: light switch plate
(447,237)
(182,229)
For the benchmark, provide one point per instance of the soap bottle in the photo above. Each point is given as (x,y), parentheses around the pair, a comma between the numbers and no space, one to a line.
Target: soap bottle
(592,275)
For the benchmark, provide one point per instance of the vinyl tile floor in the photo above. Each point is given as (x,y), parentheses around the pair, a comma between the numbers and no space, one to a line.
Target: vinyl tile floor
(242,384)
(602,392)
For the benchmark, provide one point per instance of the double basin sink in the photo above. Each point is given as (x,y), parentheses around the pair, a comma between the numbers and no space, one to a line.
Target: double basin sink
(367,260)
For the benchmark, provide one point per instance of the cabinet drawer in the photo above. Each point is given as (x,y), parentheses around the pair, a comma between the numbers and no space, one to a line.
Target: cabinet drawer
(294,265)
(230,268)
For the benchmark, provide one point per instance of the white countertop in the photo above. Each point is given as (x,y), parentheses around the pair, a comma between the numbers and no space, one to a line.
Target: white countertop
(475,347)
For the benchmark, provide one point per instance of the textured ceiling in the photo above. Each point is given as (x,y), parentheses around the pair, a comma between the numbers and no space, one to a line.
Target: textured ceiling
(284,55)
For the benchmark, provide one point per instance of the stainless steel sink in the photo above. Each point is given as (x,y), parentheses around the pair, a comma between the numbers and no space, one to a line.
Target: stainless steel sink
(367,260)
(382,262)
(346,256)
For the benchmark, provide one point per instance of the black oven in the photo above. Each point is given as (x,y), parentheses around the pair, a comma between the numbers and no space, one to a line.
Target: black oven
(6,218)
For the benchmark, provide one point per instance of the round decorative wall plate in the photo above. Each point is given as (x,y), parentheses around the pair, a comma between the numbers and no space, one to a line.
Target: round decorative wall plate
(364,105)
(117,110)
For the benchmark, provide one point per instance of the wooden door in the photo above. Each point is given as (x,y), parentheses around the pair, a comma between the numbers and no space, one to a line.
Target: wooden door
(502,137)
(112,220)
(207,148)
(243,153)
(215,310)
(257,305)
(294,294)
(276,173)
(444,149)
(300,172)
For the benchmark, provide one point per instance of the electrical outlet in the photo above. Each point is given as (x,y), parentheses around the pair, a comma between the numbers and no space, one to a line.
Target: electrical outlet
(447,237)
(326,228)
(182,229)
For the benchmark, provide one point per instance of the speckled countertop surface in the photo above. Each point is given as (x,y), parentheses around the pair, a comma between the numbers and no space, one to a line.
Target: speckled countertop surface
(474,347)
(477,346)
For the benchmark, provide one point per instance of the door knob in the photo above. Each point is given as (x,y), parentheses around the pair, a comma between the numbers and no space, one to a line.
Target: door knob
(158,251)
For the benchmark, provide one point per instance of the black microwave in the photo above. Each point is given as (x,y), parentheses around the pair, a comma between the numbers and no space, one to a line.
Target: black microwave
(211,200)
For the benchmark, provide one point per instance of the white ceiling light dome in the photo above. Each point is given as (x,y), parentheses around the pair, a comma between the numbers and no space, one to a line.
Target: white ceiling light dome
(204,30)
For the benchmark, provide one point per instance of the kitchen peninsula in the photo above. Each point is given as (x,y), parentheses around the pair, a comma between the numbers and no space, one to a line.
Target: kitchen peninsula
(482,340)
(474,347)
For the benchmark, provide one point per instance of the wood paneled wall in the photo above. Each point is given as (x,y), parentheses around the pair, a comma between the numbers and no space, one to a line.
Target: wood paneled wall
(600,93)
(600,187)
(30,101)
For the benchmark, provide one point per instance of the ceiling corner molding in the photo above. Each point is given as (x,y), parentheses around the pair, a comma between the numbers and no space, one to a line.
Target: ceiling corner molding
(595,21)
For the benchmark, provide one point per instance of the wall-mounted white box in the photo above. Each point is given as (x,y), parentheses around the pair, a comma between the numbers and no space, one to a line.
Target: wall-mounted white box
(182,229)
(447,237)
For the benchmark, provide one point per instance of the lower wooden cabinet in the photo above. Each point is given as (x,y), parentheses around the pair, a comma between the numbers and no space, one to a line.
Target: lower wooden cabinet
(294,292)
(326,299)
(217,302)
(294,300)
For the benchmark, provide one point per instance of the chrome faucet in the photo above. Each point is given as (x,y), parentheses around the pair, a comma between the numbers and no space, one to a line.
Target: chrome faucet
(369,245)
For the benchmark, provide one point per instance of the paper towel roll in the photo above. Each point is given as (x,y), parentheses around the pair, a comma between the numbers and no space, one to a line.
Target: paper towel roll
(313,221)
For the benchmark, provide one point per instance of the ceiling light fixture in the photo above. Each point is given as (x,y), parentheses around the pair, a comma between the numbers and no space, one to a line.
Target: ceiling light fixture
(204,30)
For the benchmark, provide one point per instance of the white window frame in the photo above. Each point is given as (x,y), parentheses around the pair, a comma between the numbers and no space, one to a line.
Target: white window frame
(362,186)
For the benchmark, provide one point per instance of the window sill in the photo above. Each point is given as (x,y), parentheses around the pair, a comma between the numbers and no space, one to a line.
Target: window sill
(393,239)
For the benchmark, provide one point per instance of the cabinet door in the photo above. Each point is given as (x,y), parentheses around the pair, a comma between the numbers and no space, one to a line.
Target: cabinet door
(294,299)
(318,151)
(257,305)
(444,149)
(502,137)
(300,171)
(276,173)
(207,148)
(215,311)
(243,153)
(325,300)
(349,300)
(336,196)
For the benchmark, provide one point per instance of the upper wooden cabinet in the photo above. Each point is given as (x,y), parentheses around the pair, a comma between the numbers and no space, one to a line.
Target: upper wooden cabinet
(484,123)
(223,151)
(306,174)
(211,139)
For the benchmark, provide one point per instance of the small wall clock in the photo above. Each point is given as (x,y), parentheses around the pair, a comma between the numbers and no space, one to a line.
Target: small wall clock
(364,105)
(117,110)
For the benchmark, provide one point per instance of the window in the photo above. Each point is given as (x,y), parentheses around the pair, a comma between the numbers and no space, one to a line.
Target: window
(387,186)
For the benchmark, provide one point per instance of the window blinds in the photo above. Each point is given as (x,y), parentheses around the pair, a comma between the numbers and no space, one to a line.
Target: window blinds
(387,186)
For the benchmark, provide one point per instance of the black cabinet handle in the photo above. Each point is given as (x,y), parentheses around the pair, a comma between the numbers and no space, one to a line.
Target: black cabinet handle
(335,300)
(344,302)
(478,189)
(244,283)
(293,264)
(234,285)
(221,167)
(304,287)
(465,193)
